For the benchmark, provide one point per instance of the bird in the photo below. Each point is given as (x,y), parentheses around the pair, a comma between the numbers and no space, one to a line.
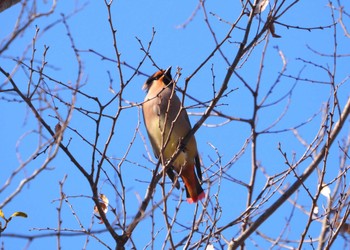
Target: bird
(167,123)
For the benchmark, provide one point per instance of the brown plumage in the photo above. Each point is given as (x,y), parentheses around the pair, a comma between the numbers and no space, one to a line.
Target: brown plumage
(163,113)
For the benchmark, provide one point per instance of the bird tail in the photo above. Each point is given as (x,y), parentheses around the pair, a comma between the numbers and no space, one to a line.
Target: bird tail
(194,190)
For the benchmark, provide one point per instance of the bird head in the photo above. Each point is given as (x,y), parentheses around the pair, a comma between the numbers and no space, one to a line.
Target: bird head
(161,75)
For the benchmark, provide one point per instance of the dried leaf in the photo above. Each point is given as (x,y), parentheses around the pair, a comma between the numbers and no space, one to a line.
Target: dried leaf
(345,228)
(210,247)
(104,205)
(2,214)
(326,191)
(261,6)
(104,199)
(272,31)
(97,214)
(58,131)
(19,214)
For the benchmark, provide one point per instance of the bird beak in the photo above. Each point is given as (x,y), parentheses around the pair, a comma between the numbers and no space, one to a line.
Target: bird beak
(167,71)
(167,76)
(144,86)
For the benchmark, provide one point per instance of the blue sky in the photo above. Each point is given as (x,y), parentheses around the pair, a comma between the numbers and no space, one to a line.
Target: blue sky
(177,47)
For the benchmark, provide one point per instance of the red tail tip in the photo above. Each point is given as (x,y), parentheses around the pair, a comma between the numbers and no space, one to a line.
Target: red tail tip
(191,200)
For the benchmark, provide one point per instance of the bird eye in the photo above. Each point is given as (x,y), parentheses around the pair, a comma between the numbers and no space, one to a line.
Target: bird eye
(151,79)
(156,76)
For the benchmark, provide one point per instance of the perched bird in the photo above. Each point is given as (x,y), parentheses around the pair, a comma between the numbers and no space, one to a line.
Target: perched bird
(164,114)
